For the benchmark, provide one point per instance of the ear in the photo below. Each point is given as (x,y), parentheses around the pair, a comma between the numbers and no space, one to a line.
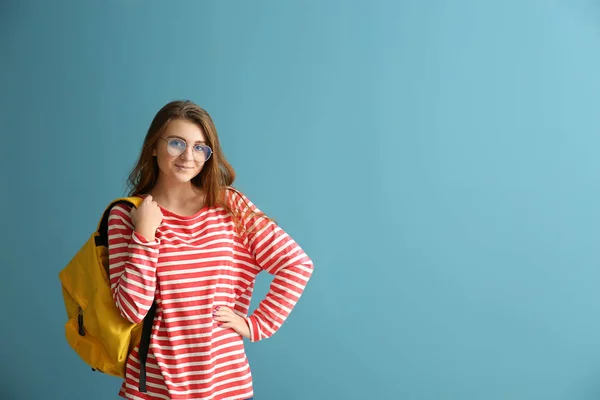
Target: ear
(154,152)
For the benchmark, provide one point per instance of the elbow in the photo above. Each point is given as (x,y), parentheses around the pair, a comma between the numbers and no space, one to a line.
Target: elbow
(134,319)
(129,310)
(310,267)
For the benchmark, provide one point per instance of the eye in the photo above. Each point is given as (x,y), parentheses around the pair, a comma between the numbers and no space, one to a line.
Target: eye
(199,148)
(177,144)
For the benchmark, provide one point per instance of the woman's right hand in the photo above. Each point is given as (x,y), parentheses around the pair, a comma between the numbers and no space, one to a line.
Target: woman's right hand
(147,218)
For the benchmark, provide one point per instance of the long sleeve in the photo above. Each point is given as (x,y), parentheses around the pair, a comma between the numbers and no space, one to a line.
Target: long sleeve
(132,266)
(277,253)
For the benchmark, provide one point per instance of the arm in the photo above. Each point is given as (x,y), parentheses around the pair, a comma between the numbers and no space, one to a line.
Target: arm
(132,266)
(277,253)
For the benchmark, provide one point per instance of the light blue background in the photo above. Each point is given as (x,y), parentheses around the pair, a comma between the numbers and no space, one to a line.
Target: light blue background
(438,160)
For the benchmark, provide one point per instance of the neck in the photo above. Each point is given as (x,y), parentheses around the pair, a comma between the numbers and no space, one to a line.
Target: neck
(174,194)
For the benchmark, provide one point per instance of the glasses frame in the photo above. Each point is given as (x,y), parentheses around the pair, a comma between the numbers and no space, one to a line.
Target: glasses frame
(207,157)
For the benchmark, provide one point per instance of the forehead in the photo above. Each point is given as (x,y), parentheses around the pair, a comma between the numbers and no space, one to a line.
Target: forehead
(186,130)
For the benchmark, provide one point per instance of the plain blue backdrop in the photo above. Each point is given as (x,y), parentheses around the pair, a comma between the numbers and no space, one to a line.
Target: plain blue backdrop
(438,160)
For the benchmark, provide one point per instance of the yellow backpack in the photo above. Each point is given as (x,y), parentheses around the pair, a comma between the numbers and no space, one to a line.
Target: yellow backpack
(95,328)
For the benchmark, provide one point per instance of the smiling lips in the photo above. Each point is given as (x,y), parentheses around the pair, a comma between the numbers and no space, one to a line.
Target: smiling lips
(184,167)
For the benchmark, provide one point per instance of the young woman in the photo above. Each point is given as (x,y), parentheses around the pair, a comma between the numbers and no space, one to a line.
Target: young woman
(194,248)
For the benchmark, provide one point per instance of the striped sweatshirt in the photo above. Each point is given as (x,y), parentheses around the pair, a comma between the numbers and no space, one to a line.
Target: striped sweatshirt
(195,264)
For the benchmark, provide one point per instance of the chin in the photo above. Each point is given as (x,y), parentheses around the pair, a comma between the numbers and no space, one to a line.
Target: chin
(184,177)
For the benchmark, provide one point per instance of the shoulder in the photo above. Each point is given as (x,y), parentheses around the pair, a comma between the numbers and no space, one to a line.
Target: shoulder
(246,211)
(232,192)
(119,210)
(237,200)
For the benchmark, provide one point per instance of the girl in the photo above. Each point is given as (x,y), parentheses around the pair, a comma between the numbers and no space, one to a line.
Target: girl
(193,249)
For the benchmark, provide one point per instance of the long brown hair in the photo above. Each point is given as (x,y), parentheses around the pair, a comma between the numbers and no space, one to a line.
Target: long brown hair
(216,176)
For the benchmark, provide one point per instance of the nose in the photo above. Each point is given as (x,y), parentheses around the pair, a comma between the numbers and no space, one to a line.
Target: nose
(188,153)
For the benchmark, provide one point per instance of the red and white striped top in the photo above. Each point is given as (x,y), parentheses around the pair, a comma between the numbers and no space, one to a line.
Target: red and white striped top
(195,264)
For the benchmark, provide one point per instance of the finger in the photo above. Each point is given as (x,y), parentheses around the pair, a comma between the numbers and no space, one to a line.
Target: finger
(227,325)
(224,317)
(132,214)
(221,310)
(148,198)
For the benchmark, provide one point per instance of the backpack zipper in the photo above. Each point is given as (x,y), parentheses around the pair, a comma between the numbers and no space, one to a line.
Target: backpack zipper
(80,322)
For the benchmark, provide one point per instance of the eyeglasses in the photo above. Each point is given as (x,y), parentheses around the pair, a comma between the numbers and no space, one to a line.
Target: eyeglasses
(176,147)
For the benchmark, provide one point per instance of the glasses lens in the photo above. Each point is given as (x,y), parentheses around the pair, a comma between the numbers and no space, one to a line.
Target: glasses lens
(176,147)
(202,153)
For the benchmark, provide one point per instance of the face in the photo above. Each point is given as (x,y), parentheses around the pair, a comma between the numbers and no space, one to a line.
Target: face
(181,151)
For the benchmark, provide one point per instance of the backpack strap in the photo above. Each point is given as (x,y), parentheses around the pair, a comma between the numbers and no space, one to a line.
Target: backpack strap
(145,345)
(102,237)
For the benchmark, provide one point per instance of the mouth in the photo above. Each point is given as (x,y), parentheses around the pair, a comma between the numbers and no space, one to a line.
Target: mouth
(184,168)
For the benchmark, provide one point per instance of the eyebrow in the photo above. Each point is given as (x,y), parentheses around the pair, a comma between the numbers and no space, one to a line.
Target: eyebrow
(179,137)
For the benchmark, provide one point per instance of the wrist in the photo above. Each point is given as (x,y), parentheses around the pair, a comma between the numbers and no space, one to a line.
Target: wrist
(145,234)
(247,332)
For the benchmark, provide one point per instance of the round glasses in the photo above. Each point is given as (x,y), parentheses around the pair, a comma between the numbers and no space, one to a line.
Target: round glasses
(177,146)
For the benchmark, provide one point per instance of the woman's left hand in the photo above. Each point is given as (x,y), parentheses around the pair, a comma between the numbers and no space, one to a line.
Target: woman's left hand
(226,318)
